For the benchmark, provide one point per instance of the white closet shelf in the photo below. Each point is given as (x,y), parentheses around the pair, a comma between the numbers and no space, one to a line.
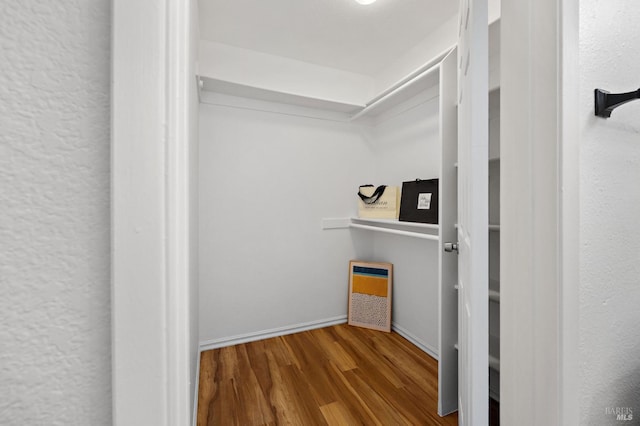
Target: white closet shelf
(394,226)
(209,84)
(421,79)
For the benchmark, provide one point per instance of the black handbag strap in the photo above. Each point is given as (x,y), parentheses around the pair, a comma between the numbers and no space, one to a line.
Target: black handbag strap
(374,197)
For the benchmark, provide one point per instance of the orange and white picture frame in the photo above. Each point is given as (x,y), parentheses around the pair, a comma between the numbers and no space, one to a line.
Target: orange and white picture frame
(370,290)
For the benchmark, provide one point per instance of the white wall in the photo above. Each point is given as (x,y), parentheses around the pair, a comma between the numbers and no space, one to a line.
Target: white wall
(55,355)
(265,71)
(438,42)
(407,146)
(266,181)
(269,178)
(609,211)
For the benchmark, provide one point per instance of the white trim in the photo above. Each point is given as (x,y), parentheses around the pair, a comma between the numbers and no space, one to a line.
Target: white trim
(178,83)
(569,204)
(532,226)
(272,106)
(151,356)
(139,316)
(206,345)
(428,349)
(213,85)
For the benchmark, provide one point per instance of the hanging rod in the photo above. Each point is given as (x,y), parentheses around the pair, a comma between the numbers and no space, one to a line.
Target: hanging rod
(379,100)
(415,74)
(606,102)
(396,232)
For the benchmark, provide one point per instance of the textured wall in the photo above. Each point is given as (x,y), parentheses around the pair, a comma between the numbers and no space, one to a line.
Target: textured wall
(54,213)
(609,211)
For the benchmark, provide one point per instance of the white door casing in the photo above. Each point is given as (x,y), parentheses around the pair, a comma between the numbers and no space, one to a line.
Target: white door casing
(473,300)
(153,355)
(539,213)
(515,404)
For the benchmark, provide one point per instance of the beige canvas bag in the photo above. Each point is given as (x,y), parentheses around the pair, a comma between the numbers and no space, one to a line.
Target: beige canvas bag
(382,202)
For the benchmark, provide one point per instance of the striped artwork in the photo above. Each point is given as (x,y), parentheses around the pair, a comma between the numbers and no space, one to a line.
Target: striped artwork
(370,295)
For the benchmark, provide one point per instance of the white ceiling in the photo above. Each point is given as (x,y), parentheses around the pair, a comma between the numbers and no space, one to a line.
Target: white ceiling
(340,34)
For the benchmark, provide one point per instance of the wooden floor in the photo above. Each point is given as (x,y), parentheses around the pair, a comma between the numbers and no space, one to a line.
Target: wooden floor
(339,375)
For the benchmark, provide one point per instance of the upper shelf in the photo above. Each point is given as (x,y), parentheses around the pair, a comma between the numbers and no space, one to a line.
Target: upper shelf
(414,82)
(229,88)
(421,79)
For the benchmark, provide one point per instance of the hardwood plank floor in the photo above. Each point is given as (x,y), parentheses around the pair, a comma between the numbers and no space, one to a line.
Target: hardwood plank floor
(340,375)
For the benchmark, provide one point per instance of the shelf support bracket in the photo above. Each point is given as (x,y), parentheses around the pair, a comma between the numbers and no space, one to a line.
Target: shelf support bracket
(606,102)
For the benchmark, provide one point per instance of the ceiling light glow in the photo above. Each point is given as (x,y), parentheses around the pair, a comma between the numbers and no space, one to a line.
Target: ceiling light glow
(365,1)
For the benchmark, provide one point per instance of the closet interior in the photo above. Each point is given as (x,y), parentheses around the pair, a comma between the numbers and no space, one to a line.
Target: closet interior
(280,163)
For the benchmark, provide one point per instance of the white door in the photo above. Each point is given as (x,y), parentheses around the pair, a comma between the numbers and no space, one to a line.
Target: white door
(448,305)
(473,301)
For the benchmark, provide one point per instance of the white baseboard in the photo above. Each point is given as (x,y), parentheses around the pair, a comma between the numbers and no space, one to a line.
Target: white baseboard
(431,351)
(206,345)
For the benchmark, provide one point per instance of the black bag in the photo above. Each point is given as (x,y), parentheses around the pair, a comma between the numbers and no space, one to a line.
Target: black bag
(419,202)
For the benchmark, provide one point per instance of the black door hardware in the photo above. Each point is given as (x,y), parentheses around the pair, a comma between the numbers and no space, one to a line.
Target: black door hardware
(607,102)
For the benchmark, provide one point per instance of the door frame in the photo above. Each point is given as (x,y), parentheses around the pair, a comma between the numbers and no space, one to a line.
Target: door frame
(152,345)
(539,298)
(149,298)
